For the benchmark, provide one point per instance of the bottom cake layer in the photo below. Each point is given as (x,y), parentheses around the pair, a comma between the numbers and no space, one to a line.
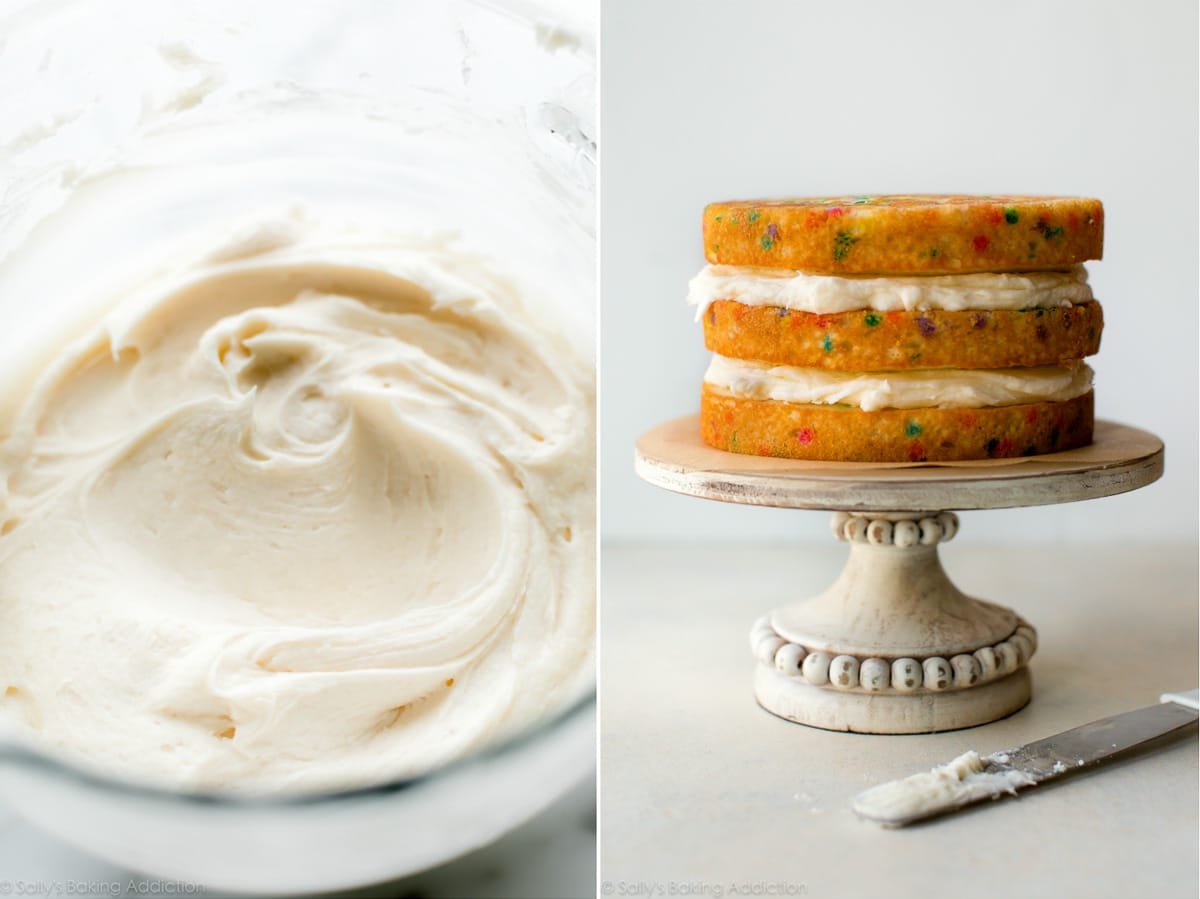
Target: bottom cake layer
(848,434)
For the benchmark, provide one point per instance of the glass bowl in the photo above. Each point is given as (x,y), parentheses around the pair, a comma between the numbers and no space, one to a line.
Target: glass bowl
(304,844)
(140,129)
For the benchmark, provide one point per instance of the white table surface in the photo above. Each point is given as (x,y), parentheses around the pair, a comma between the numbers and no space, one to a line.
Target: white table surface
(704,793)
(551,857)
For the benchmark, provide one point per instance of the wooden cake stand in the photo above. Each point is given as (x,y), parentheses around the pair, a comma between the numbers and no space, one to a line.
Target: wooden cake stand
(892,646)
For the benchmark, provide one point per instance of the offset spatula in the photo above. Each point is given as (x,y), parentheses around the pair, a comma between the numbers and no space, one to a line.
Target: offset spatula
(971,778)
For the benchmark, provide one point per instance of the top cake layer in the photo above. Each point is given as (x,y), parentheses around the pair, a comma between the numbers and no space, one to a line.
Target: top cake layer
(929,234)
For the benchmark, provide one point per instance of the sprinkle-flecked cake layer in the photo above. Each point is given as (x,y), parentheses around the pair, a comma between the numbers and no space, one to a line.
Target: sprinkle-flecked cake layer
(839,434)
(923,234)
(865,340)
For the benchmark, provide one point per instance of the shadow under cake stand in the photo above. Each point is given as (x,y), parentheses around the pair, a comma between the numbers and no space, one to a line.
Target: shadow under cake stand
(892,646)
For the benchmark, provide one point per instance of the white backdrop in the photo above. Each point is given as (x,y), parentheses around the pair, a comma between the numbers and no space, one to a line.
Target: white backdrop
(704,100)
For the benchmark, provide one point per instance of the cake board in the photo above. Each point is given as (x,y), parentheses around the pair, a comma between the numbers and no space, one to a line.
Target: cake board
(893,646)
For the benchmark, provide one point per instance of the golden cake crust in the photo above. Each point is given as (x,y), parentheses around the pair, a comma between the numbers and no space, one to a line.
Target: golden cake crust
(923,234)
(848,434)
(864,340)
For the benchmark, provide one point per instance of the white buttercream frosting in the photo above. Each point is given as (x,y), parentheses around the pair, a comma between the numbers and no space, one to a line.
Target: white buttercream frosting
(830,294)
(300,515)
(939,388)
(966,779)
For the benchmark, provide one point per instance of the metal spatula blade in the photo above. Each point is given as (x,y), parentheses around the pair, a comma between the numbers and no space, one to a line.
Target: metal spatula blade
(970,778)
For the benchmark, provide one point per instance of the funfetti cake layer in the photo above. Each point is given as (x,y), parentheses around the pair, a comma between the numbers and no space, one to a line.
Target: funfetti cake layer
(921,234)
(767,427)
(870,341)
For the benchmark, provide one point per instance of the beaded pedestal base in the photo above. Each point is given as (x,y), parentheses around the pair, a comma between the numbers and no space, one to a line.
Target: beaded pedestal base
(893,646)
(885,714)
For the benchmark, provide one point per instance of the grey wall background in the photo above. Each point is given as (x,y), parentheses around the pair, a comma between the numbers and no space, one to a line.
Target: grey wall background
(707,99)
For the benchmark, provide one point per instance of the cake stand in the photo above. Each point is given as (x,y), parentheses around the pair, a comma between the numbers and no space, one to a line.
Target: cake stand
(892,646)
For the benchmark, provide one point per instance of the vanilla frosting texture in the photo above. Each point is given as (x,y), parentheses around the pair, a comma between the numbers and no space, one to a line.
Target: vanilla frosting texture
(831,294)
(965,779)
(300,515)
(915,389)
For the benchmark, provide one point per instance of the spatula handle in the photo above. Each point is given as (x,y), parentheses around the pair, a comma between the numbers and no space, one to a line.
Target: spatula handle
(1191,699)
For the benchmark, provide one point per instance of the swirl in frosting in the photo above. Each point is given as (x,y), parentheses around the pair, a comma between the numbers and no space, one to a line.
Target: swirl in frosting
(300,518)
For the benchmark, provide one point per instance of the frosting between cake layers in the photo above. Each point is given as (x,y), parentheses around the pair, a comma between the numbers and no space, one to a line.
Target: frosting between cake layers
(829,294)
(870,391)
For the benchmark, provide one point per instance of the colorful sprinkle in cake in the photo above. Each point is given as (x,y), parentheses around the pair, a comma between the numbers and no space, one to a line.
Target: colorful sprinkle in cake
(899,328)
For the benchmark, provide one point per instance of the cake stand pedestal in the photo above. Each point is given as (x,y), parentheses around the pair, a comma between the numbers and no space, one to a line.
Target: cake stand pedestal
(892,646)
